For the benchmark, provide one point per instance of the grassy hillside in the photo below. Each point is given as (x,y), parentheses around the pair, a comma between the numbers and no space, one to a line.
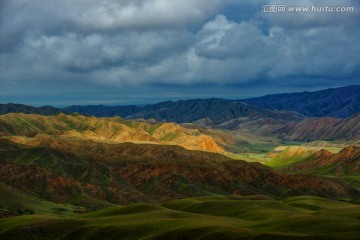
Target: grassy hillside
(255,217)
(329,161)
(288,155)
(19,202)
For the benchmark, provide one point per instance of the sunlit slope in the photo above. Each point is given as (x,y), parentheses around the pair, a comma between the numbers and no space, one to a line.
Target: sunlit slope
(110,130)
(328,115)
(320,162)
(287,155)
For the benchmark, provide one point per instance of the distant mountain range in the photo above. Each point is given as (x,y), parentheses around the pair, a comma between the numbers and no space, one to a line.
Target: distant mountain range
(307,129)
(185,111)
(337,102)
(334,102)
(303,116)
(20,108)
(322,129)
(331,114)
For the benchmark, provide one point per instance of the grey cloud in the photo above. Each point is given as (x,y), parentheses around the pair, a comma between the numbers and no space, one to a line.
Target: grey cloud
(222,38)
(139,43)
(52,17)
(105,15)
(142,14)
(72,54)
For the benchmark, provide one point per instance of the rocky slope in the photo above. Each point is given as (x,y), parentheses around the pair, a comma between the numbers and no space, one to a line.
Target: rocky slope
(307,129)
(322,129)
(344,163)
(91,173)
(111,130)
(318,161)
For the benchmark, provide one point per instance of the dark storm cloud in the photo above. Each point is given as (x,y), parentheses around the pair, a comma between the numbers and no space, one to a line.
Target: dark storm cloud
(143,42)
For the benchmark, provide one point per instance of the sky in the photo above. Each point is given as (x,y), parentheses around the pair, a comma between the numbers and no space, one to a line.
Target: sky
(120,52)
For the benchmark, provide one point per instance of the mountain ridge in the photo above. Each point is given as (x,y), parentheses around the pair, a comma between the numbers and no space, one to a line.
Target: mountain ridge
(21,108)
(333,102)
(339,102)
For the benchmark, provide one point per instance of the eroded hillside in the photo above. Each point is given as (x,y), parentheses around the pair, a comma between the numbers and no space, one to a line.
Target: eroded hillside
(30,128)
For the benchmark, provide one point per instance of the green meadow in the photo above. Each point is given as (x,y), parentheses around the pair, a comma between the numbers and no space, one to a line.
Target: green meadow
(215,217)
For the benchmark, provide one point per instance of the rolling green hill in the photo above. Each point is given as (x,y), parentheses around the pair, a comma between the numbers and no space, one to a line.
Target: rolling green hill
(255,217)
(19,202)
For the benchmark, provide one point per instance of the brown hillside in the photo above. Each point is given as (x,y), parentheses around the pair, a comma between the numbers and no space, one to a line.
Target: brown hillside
(346,162)
(87,171)
(302,129)
(109,130)
(323,129)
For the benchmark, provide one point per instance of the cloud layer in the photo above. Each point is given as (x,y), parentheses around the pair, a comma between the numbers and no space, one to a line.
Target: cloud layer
(138,43)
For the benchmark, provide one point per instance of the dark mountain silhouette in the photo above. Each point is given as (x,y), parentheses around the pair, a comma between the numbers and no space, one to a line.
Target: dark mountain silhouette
(104,111)
(20,108)
(213,111)
(334,102)
(337,102)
